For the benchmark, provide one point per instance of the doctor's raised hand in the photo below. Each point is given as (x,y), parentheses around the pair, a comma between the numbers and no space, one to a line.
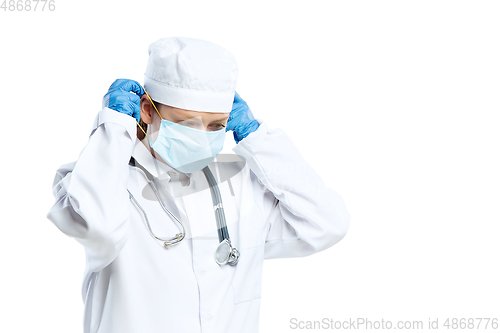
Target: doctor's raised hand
(124,96)
(241,120)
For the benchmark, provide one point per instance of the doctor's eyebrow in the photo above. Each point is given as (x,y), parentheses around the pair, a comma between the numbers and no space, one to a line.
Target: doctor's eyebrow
(221,119)
(186,117)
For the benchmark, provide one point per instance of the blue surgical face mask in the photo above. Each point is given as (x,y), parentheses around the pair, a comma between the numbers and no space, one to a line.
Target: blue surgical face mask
(187,149)
(184,148)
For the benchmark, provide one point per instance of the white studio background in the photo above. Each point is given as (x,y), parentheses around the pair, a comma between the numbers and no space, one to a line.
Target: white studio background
(395,104)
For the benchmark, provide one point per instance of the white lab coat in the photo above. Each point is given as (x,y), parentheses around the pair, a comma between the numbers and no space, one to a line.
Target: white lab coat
(276,207)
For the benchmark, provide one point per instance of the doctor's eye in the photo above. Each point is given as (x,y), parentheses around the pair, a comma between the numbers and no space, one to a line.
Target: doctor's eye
(216,127)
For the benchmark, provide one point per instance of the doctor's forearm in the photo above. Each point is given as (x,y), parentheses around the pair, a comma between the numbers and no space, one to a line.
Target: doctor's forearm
(317,214)
(92,204)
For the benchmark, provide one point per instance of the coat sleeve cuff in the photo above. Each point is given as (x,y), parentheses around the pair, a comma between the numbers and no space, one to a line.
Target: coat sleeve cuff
(107,115)
(250,145)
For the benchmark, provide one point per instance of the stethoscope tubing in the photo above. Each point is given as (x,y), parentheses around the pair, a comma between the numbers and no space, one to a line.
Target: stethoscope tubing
(217,203)
(220,218)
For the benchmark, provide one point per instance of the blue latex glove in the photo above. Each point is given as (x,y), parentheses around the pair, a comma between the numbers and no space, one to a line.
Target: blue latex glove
(241,120)
(124,96)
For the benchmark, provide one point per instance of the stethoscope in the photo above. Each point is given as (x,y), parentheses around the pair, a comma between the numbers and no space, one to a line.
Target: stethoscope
(225,252)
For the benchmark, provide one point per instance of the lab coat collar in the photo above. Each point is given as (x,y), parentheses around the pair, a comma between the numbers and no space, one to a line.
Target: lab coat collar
(157,168)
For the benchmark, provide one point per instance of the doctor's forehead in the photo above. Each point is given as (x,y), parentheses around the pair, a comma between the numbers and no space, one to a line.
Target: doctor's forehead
(193,114)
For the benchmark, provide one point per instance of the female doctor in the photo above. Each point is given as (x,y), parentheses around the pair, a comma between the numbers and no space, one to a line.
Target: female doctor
(173,245)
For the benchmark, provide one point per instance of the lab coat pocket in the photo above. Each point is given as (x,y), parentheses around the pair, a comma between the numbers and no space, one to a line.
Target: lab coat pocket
(251,233)
(247,280)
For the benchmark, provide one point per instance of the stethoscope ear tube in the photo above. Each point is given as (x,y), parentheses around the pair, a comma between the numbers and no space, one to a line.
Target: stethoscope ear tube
(166,242)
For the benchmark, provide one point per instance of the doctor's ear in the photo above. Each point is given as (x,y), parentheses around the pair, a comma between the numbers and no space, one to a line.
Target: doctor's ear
(147,110)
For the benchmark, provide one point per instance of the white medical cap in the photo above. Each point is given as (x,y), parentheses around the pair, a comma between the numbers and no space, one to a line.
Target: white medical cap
(191,74)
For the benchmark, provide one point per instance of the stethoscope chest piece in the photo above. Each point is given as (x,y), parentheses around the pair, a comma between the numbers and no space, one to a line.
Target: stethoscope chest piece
(226,254)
